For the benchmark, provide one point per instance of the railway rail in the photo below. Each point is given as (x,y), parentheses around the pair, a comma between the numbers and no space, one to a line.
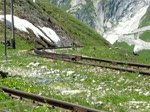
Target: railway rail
(53,103)
(143,69)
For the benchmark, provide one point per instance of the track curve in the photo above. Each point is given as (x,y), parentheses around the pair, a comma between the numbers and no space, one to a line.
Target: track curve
(53,103)
(143,69)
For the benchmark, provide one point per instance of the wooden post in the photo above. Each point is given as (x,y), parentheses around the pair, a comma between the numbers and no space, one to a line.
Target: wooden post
(13,45)
(5,38)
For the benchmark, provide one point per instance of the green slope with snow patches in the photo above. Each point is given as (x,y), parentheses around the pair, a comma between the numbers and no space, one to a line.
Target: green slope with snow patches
(94,87)
(146,19)
(146,22)
(43,13)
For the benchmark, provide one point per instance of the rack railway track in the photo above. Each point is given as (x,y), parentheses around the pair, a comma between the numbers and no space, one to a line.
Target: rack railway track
(143,69)
(41,100)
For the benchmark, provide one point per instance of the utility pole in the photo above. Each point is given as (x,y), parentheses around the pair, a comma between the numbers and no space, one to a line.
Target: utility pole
(13,44)
(5,52)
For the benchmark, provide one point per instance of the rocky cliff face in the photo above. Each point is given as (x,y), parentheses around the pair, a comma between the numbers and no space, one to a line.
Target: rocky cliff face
(111,18)
(102,14)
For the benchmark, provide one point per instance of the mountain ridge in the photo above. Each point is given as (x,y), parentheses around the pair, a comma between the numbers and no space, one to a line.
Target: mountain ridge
(111,18)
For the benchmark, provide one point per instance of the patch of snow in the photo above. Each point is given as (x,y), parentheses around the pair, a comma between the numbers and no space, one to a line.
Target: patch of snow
(34,1)
(141,30)
(137,48)
(23,25)
(136,41)
(125,26)
(52,34)
(127,31)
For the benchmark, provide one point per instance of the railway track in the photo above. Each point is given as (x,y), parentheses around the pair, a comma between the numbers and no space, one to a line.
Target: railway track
(41,100)
(143,69)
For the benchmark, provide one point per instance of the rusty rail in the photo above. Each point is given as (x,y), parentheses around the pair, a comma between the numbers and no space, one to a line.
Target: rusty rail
(45,100)
(117,62)
(127,66)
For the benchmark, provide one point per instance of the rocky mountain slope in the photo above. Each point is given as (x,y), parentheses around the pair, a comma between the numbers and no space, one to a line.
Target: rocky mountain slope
(43,14)
(111,18)
(28,13)
(95,87)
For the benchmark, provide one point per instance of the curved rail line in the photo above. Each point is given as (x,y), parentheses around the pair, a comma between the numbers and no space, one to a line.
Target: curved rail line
(53,103)
(143,69)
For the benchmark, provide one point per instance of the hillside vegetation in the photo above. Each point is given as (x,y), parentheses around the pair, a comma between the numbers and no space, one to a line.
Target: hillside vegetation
(144,55)
(146,22)
(99,88)
(94,44)
(146,19)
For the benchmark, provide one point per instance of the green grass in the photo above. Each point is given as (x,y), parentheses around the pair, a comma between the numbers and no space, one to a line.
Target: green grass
(145,36)
(112,90)
(146,19)
(143,55)
(94,44)
(74,27)
(102,89)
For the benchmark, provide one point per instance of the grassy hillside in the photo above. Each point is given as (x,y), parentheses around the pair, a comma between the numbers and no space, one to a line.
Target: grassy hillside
(102,89)
(94,44)
(146,19)
(144,55)
(80,31)
(146,36)
(146,22)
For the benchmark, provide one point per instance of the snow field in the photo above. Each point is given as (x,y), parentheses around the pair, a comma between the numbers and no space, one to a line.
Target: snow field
(23,25)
